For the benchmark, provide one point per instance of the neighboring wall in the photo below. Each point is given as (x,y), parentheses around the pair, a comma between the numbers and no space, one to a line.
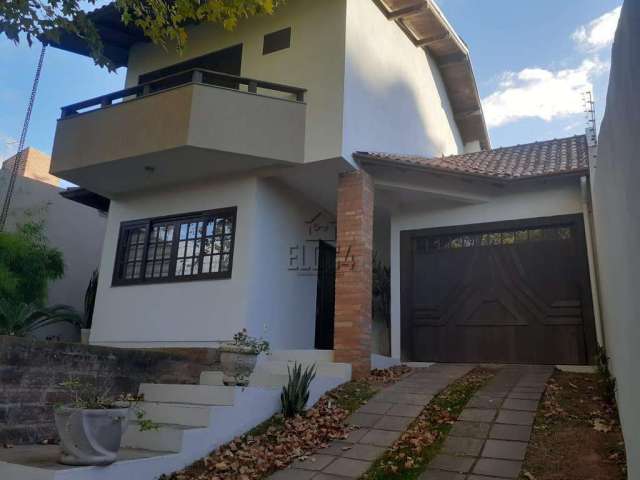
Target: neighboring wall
(34,164)
(540,199)
(31,373)
(78,231)
(615,183)
(314,61)
(395,99)
(262,295)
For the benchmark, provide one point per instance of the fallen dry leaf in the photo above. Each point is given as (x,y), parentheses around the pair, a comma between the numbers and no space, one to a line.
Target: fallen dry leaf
(599,425)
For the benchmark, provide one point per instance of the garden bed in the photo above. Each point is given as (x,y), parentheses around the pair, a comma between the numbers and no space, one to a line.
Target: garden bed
(576,435)
(279,441)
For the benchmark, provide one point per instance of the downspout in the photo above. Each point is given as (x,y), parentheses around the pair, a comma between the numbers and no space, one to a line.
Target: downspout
(587,213)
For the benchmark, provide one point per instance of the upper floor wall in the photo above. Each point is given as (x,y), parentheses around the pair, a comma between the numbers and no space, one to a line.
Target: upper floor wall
(368,86)
(395,100)
(371,84)
(314,60)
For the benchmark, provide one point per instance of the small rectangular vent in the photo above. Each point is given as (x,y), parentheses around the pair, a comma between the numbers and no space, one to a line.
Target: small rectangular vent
(276,41)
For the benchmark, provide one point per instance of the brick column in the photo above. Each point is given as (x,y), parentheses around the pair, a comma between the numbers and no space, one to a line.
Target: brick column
(352,333)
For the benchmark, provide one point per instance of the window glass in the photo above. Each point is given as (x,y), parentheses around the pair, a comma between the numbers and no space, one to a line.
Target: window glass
(176,249)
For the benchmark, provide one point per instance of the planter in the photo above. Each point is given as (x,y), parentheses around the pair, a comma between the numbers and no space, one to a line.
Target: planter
(90,437)
(237,364)
(84,336)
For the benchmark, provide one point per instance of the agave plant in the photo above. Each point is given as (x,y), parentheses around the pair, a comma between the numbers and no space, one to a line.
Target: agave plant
(20,319)
(295,395)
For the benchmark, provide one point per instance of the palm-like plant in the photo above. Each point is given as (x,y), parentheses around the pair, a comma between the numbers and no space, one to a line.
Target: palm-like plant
(20,319)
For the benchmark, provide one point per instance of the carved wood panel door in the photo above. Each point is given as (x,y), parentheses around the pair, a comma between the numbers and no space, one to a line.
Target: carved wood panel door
(510,292)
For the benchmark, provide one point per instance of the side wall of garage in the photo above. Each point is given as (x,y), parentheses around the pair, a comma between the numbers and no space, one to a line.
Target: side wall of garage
(547,198)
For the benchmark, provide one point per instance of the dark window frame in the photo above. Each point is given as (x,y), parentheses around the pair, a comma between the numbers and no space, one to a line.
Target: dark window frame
(277,41)
(118,278)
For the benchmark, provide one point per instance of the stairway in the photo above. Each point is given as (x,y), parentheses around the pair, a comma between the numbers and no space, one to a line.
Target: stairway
(193,420)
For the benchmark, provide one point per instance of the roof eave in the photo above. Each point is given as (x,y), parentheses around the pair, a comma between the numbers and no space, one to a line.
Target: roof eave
(451,55)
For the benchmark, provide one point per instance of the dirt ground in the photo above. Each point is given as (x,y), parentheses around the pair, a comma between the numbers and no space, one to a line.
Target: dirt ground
(577,434)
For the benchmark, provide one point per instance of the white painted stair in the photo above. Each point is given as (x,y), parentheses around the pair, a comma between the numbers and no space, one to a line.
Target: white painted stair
(193,420)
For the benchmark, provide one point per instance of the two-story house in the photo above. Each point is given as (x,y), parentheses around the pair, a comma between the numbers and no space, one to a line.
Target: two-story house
(252,179)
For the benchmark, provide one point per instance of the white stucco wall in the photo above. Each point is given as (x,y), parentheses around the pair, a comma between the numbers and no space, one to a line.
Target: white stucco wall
(262,295)
(314,61)
(394,97)
(558,197)
(76,230)
(175,314)
(282,299)
(616,206)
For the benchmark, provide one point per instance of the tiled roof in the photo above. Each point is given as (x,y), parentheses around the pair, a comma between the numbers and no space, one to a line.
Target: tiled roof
(551,157)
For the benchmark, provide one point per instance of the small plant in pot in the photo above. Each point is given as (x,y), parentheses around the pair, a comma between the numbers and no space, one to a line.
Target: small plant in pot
(239,357)
(91,425)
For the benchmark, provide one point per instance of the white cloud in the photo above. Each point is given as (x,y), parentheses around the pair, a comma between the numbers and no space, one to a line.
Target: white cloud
(549,94)
(598,33)
(541,93)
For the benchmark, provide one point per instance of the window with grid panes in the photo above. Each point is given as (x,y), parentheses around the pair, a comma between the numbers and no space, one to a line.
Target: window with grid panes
(187,247)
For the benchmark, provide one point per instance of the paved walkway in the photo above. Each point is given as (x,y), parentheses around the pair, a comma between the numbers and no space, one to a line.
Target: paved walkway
(490,438)
(381,421)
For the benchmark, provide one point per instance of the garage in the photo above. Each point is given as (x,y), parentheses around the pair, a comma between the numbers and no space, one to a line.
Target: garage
(506,292)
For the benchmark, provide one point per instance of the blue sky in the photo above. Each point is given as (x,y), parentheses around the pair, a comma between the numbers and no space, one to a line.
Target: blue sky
(532,60)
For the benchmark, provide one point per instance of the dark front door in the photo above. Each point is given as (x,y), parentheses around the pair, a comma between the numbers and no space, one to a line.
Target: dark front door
(325,296)
(510,292)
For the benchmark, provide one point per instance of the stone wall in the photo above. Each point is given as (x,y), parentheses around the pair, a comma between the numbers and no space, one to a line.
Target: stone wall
(31,372)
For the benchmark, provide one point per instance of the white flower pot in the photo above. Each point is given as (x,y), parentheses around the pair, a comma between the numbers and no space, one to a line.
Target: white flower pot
(90,437)
(237,364)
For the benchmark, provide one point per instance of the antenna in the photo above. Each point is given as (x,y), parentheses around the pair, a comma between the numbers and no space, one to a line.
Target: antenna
(590,115)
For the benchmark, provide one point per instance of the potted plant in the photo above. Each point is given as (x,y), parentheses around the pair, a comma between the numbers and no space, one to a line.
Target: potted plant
(239,357)
(91,425)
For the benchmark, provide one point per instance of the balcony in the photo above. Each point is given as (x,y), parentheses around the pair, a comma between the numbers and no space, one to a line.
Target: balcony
(191,125)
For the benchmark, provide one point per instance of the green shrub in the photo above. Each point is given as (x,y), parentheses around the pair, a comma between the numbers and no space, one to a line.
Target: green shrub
(295,395)
(27,264)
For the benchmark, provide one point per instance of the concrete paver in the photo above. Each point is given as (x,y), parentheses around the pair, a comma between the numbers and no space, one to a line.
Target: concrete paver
(381,420)
(490,438)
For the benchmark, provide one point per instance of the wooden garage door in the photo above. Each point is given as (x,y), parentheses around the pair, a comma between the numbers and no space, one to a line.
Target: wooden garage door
(510,292)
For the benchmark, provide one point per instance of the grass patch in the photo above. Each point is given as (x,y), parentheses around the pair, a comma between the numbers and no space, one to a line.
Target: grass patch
(413,451)
(352,395)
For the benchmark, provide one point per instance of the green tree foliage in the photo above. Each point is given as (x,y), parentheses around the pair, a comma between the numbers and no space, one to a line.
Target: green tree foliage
(163,22)
(27,264)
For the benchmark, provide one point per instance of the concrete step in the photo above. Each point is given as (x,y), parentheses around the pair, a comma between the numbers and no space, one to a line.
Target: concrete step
(264,378)
(189,394)
(211,378)
(326,369)
(177,413)
(167,438)
(302,356)
(40,462)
